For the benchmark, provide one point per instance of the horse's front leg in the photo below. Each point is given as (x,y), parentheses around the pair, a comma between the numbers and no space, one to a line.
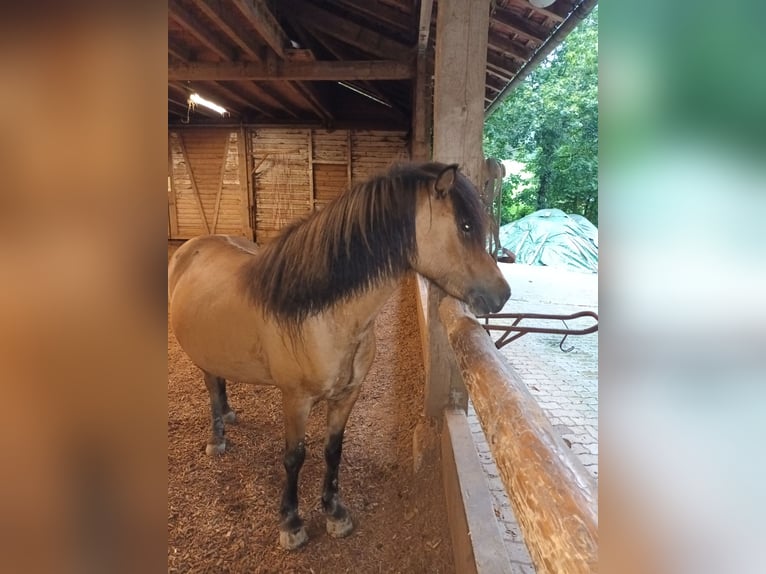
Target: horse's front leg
(292,533)
(339,522)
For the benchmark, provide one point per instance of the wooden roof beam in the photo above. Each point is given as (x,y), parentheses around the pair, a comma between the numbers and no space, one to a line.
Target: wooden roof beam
(285,70)
(230,24)
(193,26)
(349,32)
(260,17)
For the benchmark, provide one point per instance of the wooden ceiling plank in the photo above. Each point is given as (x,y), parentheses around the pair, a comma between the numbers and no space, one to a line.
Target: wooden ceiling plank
(285,70)
(502,44)
(179,52)
(194,27)
(525,28)
(260,17)
(349,32)
(505,67)
(222,16)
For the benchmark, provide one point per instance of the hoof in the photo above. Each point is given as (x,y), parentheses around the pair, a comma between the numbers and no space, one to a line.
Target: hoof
(340,527)
(293,540)
(230,417)
(215,449)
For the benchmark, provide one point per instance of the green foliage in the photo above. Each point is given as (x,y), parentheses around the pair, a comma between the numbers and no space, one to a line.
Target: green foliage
(550,123)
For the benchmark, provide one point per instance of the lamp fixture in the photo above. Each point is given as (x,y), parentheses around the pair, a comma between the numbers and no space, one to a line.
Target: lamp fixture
(541,3)
(196,99)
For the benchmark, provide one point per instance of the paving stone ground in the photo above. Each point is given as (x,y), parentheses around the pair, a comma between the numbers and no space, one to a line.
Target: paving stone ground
(564,384)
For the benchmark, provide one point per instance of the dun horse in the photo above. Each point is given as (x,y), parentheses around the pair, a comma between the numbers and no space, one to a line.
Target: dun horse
(299,312)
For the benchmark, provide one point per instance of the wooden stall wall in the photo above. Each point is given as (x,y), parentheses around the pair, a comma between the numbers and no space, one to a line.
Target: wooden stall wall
(207,183)
(298,170)
(281,182)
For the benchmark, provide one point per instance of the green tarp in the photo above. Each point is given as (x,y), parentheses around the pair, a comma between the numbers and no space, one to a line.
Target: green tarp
(553,238)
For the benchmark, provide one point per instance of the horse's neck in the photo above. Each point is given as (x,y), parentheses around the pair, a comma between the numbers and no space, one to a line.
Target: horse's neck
(360,311)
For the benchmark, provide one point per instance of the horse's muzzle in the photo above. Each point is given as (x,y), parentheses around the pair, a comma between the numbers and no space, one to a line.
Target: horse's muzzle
(484,301)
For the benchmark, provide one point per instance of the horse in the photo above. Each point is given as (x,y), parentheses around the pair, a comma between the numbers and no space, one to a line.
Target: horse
(299,312)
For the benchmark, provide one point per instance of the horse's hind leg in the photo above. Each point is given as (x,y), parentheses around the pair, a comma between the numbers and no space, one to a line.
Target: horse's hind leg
(220,412)
(292,533)
(339,522)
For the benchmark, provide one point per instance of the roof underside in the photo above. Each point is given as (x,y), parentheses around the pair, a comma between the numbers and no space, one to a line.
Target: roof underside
(331,62)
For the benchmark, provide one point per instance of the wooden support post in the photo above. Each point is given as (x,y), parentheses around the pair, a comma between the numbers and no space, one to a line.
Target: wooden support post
(461,54)
(421,117)
(444,387)
(554,498)
(461,59)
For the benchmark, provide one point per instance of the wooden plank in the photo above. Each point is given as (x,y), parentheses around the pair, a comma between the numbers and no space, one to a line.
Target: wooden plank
(312,183)
(477,543)
(245,185)
(195,191)
(554,498)
(220,183)
(287,70)
(172,214)
(424,27)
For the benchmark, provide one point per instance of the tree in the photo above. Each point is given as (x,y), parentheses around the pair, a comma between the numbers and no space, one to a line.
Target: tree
(550,123)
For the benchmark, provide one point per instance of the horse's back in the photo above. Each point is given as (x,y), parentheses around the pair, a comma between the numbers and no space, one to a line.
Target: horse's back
(211,252)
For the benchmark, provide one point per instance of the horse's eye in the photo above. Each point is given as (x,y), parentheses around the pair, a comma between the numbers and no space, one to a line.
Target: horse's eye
(466,227)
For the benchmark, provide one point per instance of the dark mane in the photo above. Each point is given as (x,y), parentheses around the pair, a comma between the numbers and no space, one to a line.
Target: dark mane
(365,236)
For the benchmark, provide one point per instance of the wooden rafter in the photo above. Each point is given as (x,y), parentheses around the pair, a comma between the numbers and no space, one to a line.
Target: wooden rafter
(260,17)
(221,14)
(500,66)
(333,47)
(194,27)
(380,13)
(523,27)
(284,70)
(503,44)
(263,93)
(315,100)
(349,32)
(179,52)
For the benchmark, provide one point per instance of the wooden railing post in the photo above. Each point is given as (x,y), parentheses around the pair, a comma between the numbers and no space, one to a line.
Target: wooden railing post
(444,385)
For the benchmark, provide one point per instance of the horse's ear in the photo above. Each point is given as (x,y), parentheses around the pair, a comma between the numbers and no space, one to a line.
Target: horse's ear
(445,180)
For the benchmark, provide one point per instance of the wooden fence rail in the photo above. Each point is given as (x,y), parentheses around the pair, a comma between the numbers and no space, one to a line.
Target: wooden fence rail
(554,498)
